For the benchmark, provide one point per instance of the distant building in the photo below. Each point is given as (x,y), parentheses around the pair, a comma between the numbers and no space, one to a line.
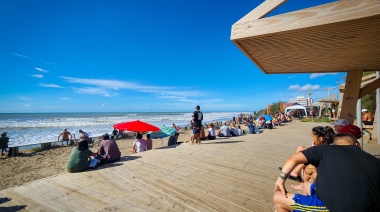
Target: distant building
(302,101)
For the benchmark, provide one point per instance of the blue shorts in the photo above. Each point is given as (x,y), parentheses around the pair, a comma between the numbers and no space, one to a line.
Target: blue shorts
(196,131)
(308,203)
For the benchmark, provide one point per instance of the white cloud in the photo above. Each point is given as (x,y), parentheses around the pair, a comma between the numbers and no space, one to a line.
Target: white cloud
(315,75)
(116,85)
(42,70)
(294,87)
(95,91)
(24,98)
(19,55)
(26,105)
(309,87)
(65,98)
(306,87)
(38,75)
(49,85)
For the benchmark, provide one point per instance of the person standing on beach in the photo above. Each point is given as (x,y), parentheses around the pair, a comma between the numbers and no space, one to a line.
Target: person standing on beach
(197,118)
(65,136)
(4,142)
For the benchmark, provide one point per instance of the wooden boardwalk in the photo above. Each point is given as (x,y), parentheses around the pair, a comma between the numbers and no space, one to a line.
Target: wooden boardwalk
(233,174)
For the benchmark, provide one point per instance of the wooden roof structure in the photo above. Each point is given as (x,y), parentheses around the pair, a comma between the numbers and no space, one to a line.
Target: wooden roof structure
(342,36)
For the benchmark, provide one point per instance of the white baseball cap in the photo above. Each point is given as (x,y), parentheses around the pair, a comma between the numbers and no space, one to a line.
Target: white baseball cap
(364,110)
(341,122)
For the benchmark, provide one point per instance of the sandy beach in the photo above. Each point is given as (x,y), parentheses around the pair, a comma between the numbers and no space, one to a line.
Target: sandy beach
(30,166)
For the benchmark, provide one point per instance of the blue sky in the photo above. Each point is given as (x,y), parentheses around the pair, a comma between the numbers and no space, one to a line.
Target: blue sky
(137,56)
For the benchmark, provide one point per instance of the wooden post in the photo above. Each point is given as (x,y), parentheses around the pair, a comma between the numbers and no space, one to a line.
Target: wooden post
(351,95)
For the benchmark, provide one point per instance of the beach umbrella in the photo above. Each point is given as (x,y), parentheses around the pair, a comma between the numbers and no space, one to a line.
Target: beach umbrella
(165,131)
(267,117)
(268,109)
(136,126)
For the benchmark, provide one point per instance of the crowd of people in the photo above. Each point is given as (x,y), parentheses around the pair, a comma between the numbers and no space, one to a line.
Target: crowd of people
(334,173)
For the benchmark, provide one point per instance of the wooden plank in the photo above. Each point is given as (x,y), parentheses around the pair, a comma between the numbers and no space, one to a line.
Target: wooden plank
(370,87)
(334,12)
(351,95)
(261,10)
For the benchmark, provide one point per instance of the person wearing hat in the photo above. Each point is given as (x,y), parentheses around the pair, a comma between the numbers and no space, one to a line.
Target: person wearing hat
(65,136)
(352,129)
(4,142)
(338,124)
(367,117)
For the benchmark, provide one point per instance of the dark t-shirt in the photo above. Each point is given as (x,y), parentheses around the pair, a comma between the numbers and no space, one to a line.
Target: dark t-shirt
(198,117)
(348,178)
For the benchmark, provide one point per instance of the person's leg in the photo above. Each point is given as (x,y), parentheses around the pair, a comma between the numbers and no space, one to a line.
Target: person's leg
(283,203)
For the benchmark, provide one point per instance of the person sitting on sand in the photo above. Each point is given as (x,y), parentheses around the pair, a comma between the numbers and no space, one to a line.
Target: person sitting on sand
(224,131)
(275,120)
(115,133)
(240,131)
(4,142)
(202,135)
(251,127)
(65,136)
(109,150)
(79,157)
(233,130)
(211,132)
(139,145)
(173,139)
(149,142)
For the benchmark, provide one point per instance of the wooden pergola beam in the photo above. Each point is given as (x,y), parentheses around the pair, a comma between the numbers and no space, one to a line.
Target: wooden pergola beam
(370,87)
(262,10)
(351,95)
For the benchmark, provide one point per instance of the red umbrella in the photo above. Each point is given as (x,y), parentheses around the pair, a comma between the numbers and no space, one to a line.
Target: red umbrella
(136,126)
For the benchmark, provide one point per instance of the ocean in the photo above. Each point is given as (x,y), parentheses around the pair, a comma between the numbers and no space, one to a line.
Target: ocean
(31,128)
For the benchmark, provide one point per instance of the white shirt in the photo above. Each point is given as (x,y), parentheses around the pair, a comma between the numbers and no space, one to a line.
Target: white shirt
(140,145)
(211,131)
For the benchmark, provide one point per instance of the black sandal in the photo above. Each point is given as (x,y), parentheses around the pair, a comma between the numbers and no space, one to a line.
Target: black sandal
(298,179)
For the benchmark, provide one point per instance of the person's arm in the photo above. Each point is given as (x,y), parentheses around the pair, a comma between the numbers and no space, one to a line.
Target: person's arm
(59,136)
(290,164)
